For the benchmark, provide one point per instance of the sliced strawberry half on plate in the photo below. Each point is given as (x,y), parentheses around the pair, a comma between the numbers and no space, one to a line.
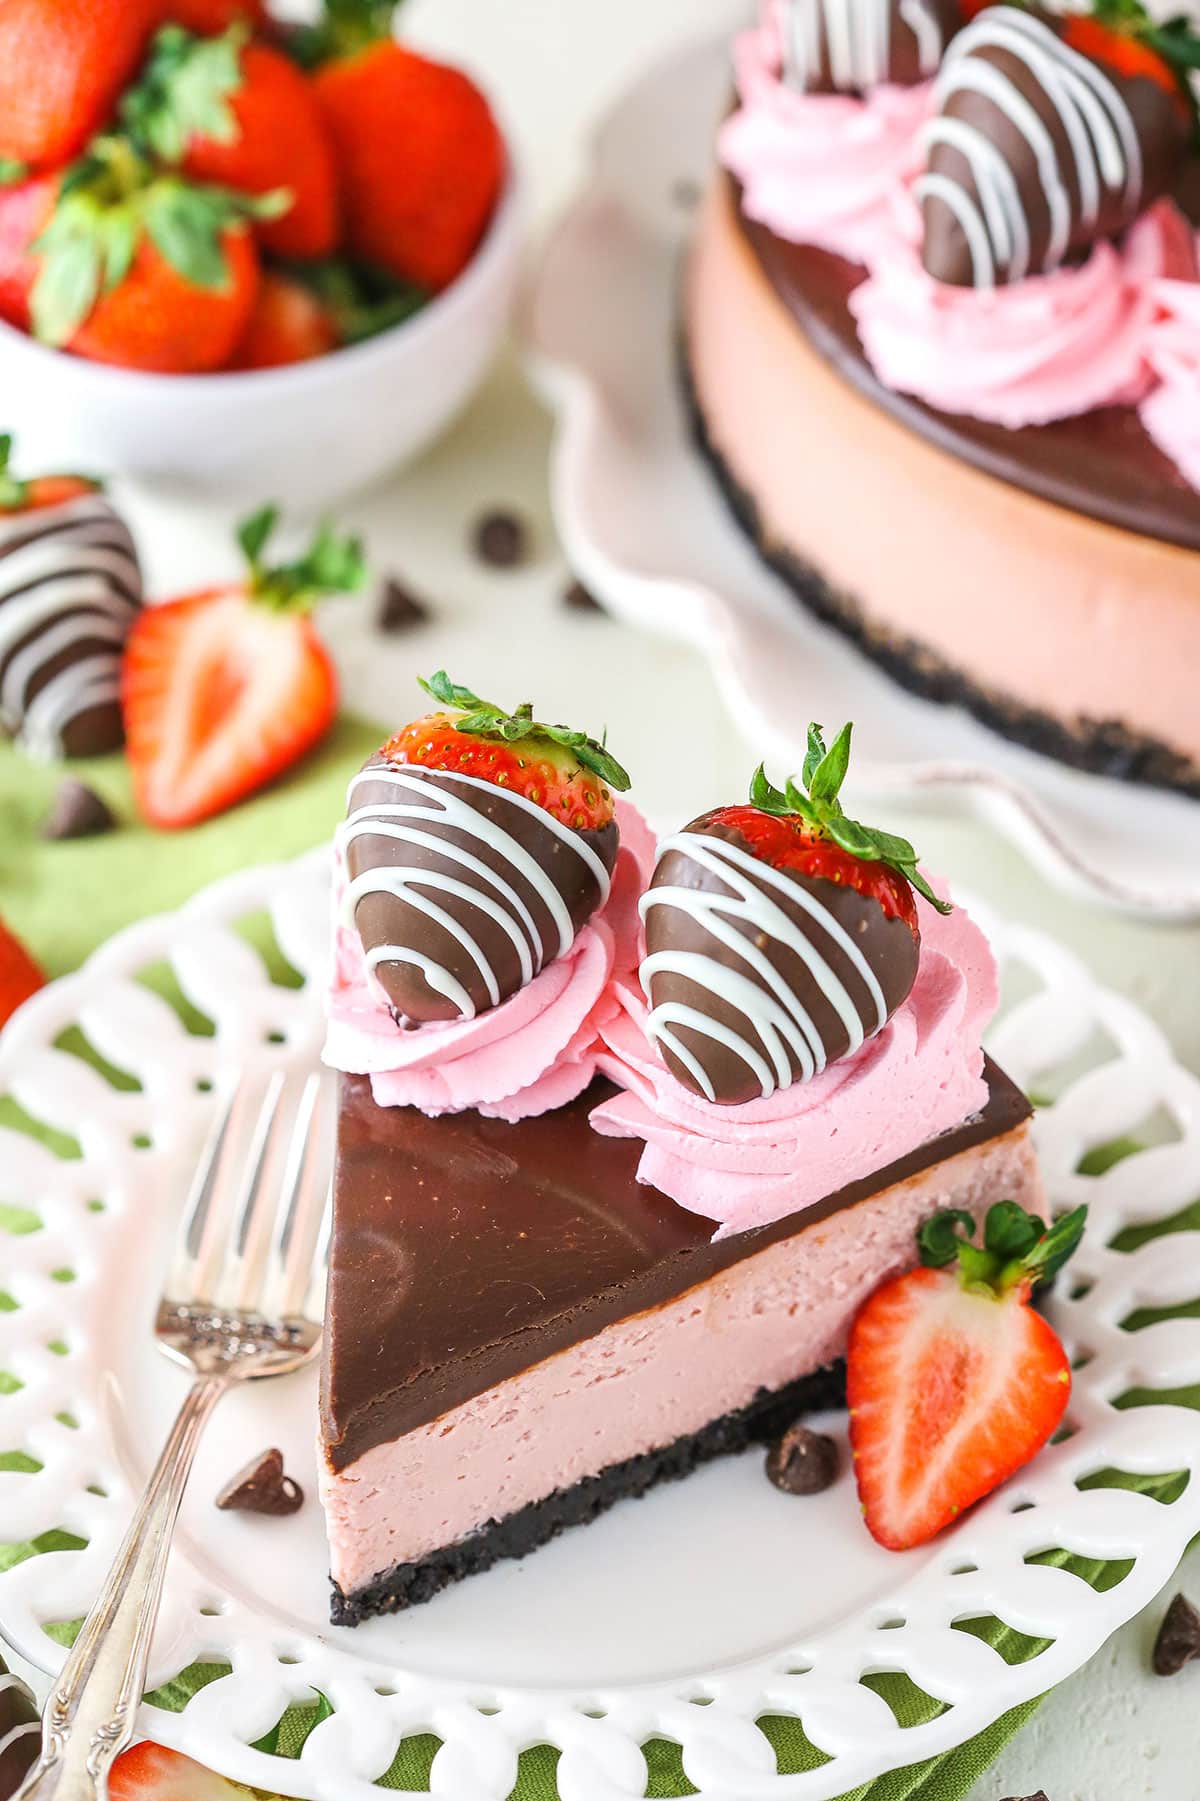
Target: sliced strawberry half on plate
(152,1773)
(953,1381)
(225,689)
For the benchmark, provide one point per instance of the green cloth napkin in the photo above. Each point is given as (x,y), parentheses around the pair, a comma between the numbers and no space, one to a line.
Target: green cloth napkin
(64,899)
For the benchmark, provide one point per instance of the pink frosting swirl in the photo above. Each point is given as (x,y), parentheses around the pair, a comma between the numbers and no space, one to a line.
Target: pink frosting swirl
(536,1051)
(747,1166)
(1171,414)
(1042,349)
(818,169)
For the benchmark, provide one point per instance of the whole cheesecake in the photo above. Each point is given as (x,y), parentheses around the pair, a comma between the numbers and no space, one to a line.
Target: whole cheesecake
(1041,571)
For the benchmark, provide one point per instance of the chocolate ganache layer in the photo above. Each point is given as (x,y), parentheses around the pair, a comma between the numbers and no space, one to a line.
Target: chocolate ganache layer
(462,891)
(465,1250)
(1102,464)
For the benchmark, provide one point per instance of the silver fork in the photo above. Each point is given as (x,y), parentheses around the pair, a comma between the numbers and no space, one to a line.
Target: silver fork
(243,1300)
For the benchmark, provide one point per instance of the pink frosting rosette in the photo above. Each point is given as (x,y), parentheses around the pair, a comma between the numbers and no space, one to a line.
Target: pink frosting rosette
(536,1051)
(1044,348)
(819,169)
(750,1165)
(1171,413)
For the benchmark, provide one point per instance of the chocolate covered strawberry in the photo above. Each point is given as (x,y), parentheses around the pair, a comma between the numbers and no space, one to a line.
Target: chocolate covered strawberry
(779,935)
(1051,134)
(478,843)
(953,1380)
(241,115)
(224,690)
(853,46)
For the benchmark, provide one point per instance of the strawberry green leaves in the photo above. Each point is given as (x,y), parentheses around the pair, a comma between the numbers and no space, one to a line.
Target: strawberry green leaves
(184,92)
(483,720)
(815,801)
(330,565)
(1018,1247)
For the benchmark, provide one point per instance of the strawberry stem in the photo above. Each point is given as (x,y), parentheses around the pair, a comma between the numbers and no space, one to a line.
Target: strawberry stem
(330,565)
(345,28)
(481,719)
(184,92)
(13,492)
(1018,1249)
(815,800)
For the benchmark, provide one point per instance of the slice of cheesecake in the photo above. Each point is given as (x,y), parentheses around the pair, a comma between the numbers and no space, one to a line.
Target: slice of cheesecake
(520,1334)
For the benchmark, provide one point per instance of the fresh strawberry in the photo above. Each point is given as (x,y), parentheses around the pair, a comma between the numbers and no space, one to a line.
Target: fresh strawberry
(419,154)
(62,65)
(225,689)
(288,325)
(209,18)
(241,115)
(953,1381)
(19,974)
(144,269)
(803,828)
(566,772)
(152,1773)
(26,496)
(26,208)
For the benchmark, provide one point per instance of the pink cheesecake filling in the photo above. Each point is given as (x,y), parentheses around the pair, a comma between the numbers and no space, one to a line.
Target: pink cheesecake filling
(535,1052)
(820,169)
(650,1379)
(1171,414)
(1045,348)
(751,1165)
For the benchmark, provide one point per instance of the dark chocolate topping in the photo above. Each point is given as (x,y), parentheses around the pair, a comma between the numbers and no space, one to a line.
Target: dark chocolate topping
(694,961)
(876,43)
(1102,464)
(70,587)
(1015,52)
(457,815)
(20,1732)
(466,1249)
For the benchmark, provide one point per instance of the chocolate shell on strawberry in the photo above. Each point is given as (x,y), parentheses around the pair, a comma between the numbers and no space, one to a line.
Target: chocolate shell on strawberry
(478,843)
(70,590)
(780,935)
(1051,134)
(852,46)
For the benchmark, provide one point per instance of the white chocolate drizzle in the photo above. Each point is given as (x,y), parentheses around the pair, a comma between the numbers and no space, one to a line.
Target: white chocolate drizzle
(492,873)
(1096,121)
(68,575)
(774,1014)
(855,36)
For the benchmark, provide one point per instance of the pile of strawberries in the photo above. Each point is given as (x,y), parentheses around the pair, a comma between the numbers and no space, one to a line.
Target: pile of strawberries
(191,185)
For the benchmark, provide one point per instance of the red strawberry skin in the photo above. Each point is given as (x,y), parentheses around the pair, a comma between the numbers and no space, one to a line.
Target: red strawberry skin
(62,65)
(281,142)
(288,325)
(420,159)
(542,773)
(19,974)
(157,320)
(951,1391)
(220,695)
(784,842)
(209,18)
(152,1773)
(25,210)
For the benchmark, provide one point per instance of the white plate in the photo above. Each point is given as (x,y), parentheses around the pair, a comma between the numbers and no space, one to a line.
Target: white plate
(721,1590)
(644,525)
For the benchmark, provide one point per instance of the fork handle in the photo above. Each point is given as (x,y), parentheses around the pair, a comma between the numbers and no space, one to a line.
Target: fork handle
(90,1716)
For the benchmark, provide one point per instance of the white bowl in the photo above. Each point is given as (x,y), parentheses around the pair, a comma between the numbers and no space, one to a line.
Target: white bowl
(307,433)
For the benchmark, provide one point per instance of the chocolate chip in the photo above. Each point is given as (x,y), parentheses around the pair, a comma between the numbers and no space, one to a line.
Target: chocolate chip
(802,1462)
(262,1487)
(501,540)
(1040,1796)
(78,812)
(399,608)
(581,600)
(1178,1640)
(686,193)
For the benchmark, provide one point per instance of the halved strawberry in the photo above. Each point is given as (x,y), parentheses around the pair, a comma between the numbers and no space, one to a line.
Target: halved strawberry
(19,974)
(150,1772)
(225,689)
(952,1379)
(566,772)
